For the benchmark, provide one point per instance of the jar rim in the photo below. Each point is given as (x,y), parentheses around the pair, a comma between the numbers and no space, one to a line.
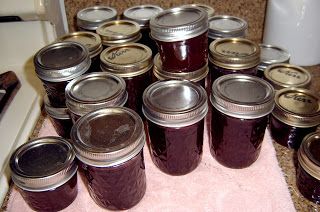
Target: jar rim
(216,32)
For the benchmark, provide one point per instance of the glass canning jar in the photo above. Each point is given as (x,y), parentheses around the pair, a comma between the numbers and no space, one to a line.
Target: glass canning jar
(296,114)
(132,62)
(93,91)
(45,172)
(58,63)
(285,75)
(119,32)
(210,11)
(109,146)
(308,171)
(241,105)
(181,34)
(175,111)
(90,18)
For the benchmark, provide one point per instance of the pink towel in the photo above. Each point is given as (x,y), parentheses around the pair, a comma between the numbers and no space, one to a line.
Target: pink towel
(210,187)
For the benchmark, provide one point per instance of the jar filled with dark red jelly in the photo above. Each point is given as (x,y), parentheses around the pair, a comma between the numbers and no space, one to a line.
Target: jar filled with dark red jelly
(119,32)
(58,63)
(226,26)
(142,14)
(308,171)
(198,76)
(59,117)
(90,18)
(296,114)
(241,105)
(45,173)
(92,42)
(210,11)
(181,34)
(285,75)
(109,145)
(93,91)
(132,62)
(175,111)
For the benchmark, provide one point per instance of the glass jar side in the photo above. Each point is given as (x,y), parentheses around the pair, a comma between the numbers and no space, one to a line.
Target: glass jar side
(62,126)
(55,92)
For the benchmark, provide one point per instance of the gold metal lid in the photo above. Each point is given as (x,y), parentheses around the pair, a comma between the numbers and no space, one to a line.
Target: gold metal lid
(285,75)
(90,40)
(297,107)
(234,53)
(126,60)
(119,32)
(194,76)
(308,154)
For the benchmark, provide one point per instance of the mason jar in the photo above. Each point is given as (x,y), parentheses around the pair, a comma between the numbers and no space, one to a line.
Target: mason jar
(132,62)
(92,42)
(45,173)
(210,11)
(90,18)
(181,34)
(296,114)
(175,111)
(93,91)
(57,64)
(241,105)
(119,32)
(109,146)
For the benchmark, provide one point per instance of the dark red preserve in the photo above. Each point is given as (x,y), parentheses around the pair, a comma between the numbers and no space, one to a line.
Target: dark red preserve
(241,105)
(45,172)
(175,111)
(109,145)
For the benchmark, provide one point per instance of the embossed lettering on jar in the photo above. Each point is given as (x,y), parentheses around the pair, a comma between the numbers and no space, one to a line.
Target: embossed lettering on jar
(45,172)
(175,112)
(109,145)
(181,34)
(308,172)
(241,106)
(296,114)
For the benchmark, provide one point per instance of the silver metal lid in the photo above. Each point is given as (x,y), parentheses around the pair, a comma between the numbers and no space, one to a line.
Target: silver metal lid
(207,8)
(224,26)
(127,60)
(91,17)
(55,112)
(108,137)
(178,24)
(174,103)
(61,61)
(242,96)
(43,164)
(271,54)
(308,154)
(285,75)
(297,107)
(95,90)
(90,40)
(194,76)
(142,14)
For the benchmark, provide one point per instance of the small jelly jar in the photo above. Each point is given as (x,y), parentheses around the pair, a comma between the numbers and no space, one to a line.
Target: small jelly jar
(198,76)
(210,11)
(92,42)
(90,18)
(93,91)
(175,111)
(181,34)
(142,15)
(58,63)
(296,114)
(271,54)
(45,172)
(241,105)
(119,32)
(308,171)
(285,75)
(59,117)
(132,62)
(109,145)
(225,26)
